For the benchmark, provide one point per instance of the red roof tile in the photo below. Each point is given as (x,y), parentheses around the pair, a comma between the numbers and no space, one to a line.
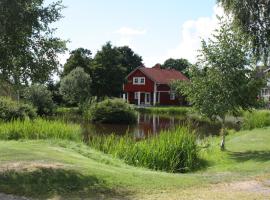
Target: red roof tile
(163,76)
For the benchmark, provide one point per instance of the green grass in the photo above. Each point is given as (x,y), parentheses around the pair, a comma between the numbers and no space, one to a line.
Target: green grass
(173,110)
(73,170)
(171,151)
(39,129)
(256,119)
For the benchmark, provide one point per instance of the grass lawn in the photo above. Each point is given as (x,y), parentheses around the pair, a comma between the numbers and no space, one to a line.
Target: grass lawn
(67,170)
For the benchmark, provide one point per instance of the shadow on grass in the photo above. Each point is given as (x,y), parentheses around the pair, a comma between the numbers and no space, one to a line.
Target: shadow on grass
(260,156)
(49,182)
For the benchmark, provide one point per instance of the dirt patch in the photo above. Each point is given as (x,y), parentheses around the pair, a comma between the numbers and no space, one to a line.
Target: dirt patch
(29,166)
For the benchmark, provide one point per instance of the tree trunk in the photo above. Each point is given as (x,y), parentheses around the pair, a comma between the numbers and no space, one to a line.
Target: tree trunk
(223,134)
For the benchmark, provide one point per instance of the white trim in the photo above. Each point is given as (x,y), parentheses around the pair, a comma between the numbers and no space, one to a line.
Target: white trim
(136,95)
(145,97)
(172,95)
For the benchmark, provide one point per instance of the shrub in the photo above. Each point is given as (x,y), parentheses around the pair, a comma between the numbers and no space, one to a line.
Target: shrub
(39,129)
(41,98)
(10,110)
(256,119)
(171,151)
(111,111)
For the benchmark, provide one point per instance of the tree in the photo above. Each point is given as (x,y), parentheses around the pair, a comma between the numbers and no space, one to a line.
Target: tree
(41,99)
(28,50)
(224,81)
(76,86)
(108,72)
(129,60)
(253,17)
(78,58)
(181,65)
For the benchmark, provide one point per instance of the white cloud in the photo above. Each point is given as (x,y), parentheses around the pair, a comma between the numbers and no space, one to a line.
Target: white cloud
(127,31)
(192,33)
(127,36)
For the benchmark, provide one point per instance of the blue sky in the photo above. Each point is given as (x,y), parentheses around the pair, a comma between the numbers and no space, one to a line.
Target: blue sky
(154,29)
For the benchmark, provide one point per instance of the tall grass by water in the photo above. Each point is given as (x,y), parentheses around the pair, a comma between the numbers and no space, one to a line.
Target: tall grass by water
(256,119)
(39,129)
(173,110)
(171,151)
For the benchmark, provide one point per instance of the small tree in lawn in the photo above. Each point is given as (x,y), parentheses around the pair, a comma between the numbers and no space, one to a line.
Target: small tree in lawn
(75,87)
(223,81)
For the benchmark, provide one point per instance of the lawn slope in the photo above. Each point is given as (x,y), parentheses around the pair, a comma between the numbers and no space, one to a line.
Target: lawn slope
(46,169)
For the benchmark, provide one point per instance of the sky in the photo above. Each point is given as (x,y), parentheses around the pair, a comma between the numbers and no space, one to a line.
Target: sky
(154,29)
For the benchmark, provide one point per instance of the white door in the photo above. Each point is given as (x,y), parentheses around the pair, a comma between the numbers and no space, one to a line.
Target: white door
(147,98)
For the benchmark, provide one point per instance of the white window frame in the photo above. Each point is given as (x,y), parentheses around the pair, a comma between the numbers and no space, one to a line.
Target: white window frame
(136,95)
(138,80)
(172,95)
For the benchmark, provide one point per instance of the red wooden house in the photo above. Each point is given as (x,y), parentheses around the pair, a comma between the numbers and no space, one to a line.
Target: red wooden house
(151,86)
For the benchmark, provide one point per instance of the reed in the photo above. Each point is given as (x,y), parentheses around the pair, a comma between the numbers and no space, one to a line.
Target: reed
(171,151)
(173,110)
(39,129)
(256,119)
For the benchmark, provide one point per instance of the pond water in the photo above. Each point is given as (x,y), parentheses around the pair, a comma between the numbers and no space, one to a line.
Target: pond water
(152,124)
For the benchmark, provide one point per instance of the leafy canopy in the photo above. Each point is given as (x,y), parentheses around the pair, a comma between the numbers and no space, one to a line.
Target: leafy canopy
(253,17)
(108,72)
(181,65)
(223,81)
(28,48)
(76,86)
(78,58)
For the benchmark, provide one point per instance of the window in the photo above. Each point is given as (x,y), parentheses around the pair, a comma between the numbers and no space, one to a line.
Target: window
(172,96)
(139,80)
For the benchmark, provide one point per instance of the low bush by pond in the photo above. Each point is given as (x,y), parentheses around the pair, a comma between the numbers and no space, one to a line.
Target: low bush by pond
(39,129)
(173,110)
(256,119)
(171,151)
(111,111)
(10,110)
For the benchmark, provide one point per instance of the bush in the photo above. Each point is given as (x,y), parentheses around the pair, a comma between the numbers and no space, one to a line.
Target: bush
(39,129)
(41,98)
(10,110)
(256,119)
(171,151)
(111,111)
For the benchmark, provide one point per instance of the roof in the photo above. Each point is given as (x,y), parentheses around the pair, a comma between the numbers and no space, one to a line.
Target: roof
(162,76)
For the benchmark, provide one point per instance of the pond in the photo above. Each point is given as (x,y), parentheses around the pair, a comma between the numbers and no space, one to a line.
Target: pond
(152,124)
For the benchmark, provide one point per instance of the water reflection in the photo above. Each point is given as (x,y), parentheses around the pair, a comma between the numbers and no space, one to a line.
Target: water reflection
(149,125)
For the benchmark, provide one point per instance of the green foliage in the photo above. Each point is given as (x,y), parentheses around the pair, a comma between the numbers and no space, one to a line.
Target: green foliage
(76,86)
(54,89)
(129,59)
(253,18)
(171,151)
(166,110)
(181,65)
(256,119)
(108,72)
(10,110)
(111,111)
(41,99)
(29,51)
(78,58)
(39,129)
(224,81)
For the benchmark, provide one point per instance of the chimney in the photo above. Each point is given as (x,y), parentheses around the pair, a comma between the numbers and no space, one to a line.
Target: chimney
(157,66)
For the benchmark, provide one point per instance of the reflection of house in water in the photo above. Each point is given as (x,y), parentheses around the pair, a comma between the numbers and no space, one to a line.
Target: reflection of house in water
(153,124)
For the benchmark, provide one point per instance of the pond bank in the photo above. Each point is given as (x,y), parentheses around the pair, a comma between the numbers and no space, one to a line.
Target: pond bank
(88,173)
